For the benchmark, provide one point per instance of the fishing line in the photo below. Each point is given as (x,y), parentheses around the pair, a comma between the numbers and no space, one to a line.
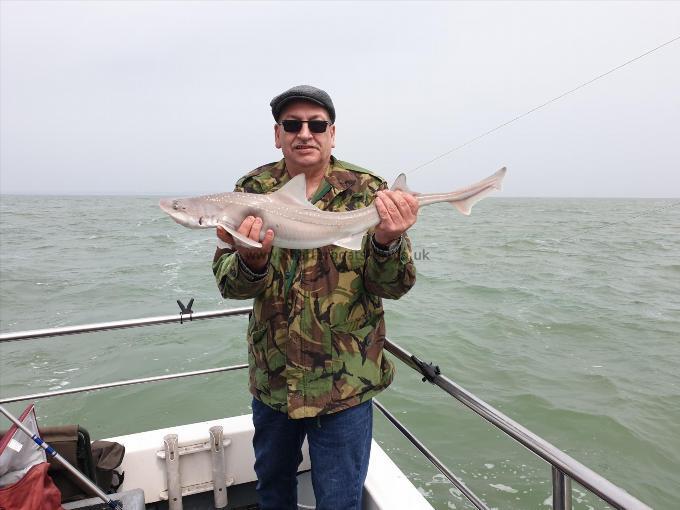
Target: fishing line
(500,126)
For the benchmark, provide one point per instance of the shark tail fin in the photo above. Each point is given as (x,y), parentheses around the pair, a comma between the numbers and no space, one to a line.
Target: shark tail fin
(487,186)
(465,206)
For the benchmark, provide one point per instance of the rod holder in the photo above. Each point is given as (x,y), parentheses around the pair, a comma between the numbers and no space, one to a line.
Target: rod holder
(219,472)
(171,447)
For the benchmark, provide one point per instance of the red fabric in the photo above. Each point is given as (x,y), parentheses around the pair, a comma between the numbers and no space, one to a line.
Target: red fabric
(13,429)
(35,491)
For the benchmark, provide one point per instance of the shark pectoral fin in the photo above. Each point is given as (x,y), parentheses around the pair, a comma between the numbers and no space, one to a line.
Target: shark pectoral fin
(465,205)
(351,242)
(240,238)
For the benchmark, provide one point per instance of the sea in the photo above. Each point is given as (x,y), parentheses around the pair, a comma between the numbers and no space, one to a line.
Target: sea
(564,314)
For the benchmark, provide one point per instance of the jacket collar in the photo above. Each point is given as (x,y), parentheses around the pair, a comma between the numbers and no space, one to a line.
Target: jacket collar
(339,177)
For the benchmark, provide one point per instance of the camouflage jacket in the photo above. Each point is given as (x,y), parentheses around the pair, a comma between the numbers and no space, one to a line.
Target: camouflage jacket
(316,333)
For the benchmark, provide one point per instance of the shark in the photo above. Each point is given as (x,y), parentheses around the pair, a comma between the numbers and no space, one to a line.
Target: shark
(297,223)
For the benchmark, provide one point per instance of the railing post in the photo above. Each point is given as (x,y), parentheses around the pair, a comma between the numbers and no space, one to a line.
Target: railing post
(561,485)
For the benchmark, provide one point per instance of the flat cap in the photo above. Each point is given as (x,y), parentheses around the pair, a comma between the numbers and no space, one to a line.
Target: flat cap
(303,93)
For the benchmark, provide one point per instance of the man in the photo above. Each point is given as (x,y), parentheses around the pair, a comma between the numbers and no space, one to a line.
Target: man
(316,333)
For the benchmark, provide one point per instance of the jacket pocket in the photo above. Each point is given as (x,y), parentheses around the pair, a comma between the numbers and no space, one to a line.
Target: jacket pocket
(257,356)
(357,358)
(257,333)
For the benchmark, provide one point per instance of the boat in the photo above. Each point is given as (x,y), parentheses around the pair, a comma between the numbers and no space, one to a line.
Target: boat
(209,464)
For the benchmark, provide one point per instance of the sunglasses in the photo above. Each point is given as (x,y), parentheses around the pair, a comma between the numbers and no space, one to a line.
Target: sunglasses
(295,126)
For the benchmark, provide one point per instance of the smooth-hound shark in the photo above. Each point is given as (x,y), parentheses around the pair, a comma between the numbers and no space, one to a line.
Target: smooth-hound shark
(299,224)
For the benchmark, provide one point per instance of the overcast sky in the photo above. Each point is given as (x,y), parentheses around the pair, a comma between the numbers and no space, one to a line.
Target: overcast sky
(173,97)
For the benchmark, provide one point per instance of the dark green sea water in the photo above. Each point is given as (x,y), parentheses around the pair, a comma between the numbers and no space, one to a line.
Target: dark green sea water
(562,313)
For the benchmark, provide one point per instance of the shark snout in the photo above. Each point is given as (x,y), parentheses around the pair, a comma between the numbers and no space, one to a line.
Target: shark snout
(167,204)
(186,212)
(174,208)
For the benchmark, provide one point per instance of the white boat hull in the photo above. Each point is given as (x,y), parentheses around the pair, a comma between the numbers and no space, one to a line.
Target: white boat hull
(386,487)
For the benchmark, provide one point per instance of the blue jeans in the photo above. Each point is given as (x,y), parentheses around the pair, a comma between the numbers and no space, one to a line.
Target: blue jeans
(339,449)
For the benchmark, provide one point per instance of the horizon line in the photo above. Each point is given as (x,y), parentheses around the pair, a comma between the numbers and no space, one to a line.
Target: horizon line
(186,194)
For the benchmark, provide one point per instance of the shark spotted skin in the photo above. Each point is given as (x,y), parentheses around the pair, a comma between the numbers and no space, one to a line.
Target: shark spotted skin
(297,224)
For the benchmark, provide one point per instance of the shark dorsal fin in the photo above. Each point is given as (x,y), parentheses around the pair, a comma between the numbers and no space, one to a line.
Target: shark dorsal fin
(400,184)
(294,192)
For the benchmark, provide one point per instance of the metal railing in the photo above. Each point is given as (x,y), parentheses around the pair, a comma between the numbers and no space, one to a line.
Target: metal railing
(564,467)
(109,326)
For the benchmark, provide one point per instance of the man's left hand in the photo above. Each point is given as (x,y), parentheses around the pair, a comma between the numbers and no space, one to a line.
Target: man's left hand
(398,212)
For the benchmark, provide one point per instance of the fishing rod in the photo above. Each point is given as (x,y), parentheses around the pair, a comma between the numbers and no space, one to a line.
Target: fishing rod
(115,505)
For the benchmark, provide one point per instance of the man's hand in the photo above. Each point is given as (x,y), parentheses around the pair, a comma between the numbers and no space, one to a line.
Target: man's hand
(398,212)
(255,258)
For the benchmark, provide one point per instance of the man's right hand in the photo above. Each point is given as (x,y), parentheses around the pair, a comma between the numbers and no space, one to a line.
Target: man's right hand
(255,258)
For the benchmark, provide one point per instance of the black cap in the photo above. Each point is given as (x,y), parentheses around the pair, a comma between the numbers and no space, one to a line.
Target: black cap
(303,93)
